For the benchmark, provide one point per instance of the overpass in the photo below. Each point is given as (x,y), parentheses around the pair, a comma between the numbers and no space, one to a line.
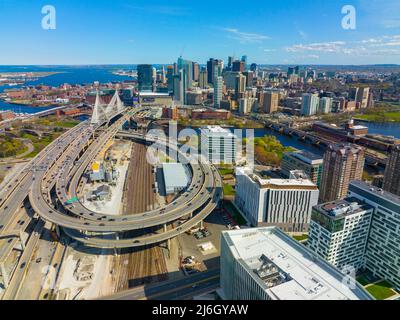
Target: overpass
(107,230)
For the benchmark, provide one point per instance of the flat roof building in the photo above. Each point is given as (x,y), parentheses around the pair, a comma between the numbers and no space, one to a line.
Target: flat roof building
(339,232)
(267,264)
(286,203)
(309,162)
(176,177)
(382,254)
(218,145)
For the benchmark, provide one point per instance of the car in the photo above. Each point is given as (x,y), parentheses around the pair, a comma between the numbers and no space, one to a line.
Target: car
(23,265)
(38,260)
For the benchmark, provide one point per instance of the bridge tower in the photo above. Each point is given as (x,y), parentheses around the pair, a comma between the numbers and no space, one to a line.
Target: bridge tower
(115,104)
(96,110)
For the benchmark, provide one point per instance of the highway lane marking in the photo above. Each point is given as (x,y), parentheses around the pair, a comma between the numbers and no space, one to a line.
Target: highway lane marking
(180,288)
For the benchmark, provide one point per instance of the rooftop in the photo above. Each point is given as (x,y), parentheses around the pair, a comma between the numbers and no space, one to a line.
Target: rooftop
(377,192)
(175,175)
(342,208)
(265,183)
(307,157)
(210,130)
(286,269)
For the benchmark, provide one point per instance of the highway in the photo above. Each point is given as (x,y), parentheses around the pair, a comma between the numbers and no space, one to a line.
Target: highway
(185,288)
(70,162)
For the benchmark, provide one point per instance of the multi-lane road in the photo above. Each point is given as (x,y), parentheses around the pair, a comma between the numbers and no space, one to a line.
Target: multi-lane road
(62,165)
(185,288)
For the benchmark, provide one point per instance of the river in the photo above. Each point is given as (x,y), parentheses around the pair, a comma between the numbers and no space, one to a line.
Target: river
(104,74)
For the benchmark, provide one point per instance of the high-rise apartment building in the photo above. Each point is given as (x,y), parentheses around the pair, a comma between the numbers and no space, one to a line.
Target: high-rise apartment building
(267,264)
(218,83)
(361,96)
(310,104)
(196,71)
(285,203)
(308,162)
(339,232)
(325,105)
(145,77)
(391,180)
(214,65)
(203,79)
(382,254)
(342,164)
(271,102)
(218,145)
(240,86)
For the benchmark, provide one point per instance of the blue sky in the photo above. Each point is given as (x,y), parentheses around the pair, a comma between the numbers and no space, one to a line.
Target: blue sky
(147,31)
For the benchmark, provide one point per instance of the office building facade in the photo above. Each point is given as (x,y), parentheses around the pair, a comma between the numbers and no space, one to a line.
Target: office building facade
(310,163)
(285,203)
(145,77)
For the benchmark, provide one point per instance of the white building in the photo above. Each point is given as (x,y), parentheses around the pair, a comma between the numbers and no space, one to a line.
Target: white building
(176,177)
(383,253)
(286,203)
(310,104)
(218,145)
(247,105)
(267,264)
(325,105)
(339,232)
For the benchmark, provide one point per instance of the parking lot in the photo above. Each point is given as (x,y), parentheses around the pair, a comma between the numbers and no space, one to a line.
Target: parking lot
(190,244)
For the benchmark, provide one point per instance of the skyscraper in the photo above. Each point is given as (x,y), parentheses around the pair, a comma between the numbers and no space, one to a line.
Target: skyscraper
(271,102)
(342,164)
(218,82)
(238,66)
(212,65)
(310,104)
(145,77)
(240,86)
(179,88)
(230,62)
(325,105)
(244,60)
(203,79)
(187,67)
(391,180)
(196,71)
(170,78)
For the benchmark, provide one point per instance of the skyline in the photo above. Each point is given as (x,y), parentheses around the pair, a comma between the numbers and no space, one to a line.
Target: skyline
(135,32)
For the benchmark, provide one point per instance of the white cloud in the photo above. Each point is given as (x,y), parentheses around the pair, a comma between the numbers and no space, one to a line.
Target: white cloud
(334,46)
(245,37)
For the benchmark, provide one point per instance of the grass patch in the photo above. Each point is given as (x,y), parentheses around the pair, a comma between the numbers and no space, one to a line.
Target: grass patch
(381,290)
(225,171)
(228,190)
(301,238)
(234,213)
(39,143)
